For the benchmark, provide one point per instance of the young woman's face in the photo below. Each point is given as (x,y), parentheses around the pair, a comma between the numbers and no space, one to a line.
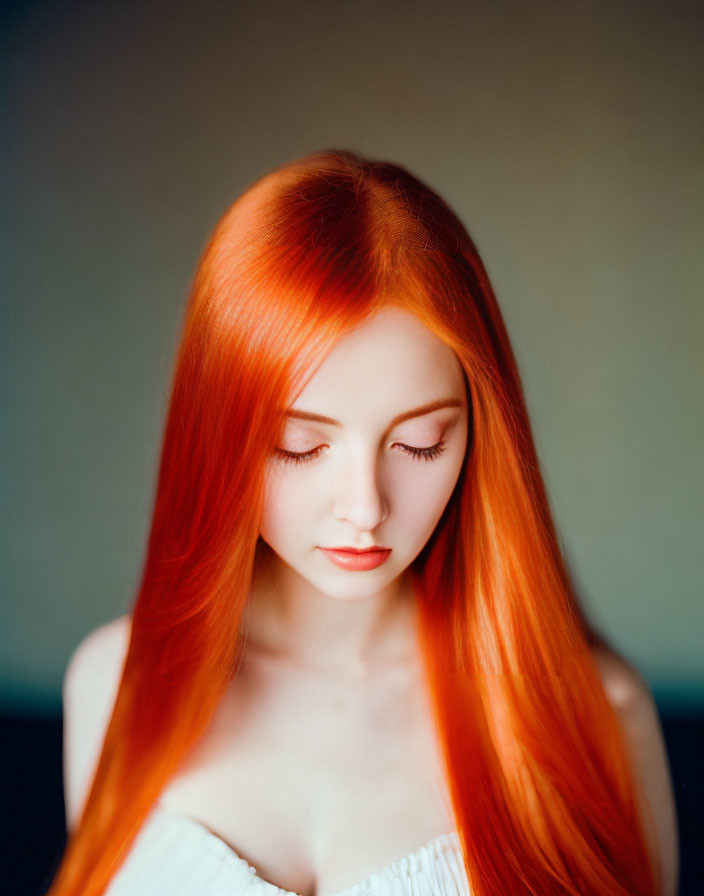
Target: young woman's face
(359,475)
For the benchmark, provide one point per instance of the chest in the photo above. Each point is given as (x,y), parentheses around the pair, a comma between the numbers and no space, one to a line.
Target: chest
(317,782)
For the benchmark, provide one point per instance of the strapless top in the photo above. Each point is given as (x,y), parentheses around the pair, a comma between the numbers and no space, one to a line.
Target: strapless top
(175,855)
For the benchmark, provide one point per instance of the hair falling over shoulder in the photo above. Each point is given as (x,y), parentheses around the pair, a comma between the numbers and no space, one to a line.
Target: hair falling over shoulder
(536,764)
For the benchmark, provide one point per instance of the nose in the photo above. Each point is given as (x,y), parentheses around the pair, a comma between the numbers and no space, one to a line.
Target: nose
(358,497)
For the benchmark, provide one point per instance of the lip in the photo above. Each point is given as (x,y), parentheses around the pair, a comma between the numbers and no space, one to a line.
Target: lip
(354,559)
(374,547)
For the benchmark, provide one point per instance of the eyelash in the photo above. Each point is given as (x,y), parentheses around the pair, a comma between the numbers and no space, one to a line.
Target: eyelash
(430,453)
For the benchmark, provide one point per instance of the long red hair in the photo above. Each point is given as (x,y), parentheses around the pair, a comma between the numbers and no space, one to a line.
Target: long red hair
(536,763)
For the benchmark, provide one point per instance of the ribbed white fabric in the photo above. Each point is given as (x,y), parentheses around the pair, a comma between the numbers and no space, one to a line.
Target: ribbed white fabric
(174,855)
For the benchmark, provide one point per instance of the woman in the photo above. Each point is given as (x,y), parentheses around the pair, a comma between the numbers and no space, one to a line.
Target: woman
(355,639)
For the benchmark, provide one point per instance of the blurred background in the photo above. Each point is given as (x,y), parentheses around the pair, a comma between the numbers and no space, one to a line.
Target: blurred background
(569,137)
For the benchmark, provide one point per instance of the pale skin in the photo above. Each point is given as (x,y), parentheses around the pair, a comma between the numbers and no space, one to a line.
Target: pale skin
(322,764)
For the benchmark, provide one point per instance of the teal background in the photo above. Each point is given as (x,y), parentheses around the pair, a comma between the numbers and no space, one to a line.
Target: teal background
(569,137)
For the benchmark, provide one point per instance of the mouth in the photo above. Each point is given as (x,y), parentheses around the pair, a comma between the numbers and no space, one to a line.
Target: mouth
(355,559)
(349,550)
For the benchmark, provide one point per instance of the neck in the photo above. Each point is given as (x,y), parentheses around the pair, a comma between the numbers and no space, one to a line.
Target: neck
(289,618)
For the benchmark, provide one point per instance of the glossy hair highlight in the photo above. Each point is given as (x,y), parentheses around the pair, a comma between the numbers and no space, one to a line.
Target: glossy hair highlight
(537,766)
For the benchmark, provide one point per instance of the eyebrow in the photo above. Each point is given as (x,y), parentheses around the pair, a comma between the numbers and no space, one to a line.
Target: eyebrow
(407,415)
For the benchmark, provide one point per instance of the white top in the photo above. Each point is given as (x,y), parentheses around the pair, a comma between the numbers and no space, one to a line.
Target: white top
(174,855)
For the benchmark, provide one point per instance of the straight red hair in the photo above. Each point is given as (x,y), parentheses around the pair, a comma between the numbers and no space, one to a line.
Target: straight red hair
(537,766)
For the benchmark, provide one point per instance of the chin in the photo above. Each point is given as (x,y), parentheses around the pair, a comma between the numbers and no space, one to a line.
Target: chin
(359,587)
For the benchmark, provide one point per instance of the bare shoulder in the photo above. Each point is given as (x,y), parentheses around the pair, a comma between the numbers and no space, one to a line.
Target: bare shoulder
(622,682)
(90,685)
(635,706)
(97,652)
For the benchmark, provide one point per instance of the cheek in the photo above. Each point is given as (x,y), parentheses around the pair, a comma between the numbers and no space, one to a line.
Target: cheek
(287,504)
(421,499)
(424,498)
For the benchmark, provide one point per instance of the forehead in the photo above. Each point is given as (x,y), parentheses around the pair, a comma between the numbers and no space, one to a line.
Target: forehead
(388,364)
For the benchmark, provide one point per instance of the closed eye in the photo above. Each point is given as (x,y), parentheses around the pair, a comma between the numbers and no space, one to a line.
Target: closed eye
(293,457)
(423,453)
